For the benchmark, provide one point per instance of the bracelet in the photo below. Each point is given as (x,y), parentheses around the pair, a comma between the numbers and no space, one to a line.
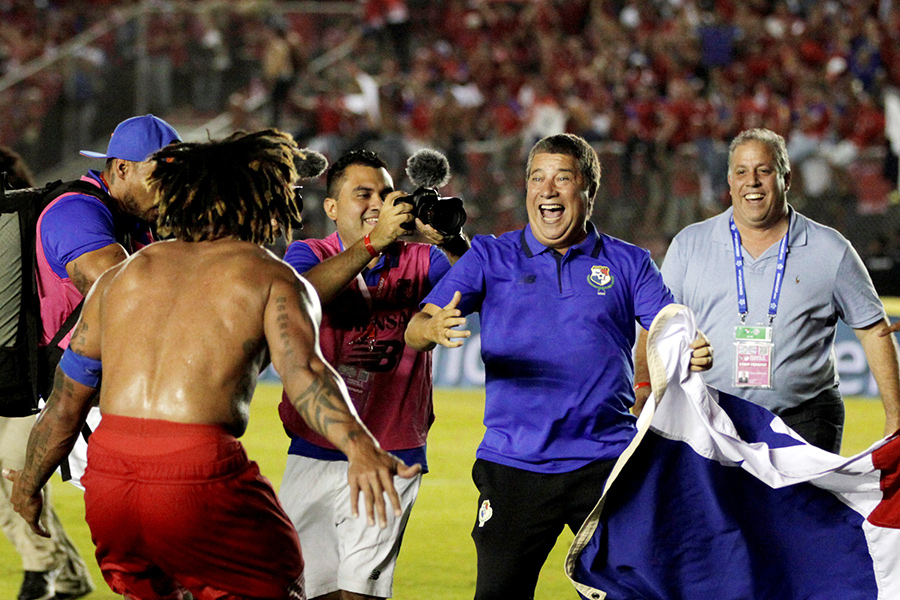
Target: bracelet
(641,384)
(371,249)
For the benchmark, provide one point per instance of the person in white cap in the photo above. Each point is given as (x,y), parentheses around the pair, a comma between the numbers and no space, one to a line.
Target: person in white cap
(81,235)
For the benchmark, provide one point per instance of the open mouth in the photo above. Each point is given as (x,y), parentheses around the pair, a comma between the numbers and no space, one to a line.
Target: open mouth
(755,197)
(371,221)
(551,213)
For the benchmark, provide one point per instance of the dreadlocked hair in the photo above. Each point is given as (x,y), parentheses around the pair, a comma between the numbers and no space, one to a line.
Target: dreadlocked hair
(241,186)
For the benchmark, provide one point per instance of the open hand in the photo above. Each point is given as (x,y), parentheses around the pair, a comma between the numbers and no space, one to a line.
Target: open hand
(30,507)
(372,474)
(440,327)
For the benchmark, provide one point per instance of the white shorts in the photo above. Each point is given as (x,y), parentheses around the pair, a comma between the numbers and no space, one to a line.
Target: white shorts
(340,552)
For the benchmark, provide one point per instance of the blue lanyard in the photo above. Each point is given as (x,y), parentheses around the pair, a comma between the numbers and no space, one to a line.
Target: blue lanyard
(739,273)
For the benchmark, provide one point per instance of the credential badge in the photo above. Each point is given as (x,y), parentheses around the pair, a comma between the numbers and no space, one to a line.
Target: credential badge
(601,279)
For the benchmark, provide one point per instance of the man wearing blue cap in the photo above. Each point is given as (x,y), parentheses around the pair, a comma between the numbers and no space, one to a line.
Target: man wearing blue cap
(81,235)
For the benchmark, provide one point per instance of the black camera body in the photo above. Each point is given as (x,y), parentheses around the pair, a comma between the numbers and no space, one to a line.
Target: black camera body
(445,214)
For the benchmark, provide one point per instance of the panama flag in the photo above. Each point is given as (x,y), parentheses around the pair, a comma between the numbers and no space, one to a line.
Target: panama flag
(717,499)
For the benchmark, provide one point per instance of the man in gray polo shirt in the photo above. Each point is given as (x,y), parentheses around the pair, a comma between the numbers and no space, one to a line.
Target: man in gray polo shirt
(767,286)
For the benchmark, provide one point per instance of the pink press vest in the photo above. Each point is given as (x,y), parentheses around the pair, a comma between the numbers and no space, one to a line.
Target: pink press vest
(58,295)
(390,383)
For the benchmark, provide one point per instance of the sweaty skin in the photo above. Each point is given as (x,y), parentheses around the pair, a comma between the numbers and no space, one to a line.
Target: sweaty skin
(184,328)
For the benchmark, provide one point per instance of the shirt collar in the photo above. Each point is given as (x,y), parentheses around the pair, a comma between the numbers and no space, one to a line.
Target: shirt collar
(590,245)
(95,177)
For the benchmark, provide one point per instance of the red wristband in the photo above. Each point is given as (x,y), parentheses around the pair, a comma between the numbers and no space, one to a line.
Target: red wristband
(641,384)
(368,242)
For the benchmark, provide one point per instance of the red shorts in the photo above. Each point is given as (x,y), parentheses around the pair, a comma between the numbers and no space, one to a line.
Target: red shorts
(173,506)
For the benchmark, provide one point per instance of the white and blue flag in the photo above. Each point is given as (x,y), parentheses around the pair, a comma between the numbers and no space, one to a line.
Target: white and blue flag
(717,499)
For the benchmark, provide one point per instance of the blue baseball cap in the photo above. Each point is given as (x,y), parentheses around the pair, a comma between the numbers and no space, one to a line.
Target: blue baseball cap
(135,139)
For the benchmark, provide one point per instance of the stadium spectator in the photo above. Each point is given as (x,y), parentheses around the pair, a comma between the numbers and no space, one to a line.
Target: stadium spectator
(760,61)
(795,278)
(558,302)
(52,565)
(370,283)
(173,503)
(277,69)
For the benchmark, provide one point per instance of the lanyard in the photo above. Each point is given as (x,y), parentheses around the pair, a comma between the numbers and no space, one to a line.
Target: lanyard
(739,273)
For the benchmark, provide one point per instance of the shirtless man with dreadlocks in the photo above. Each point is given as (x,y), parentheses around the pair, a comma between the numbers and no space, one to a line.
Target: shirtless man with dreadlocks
(182,329)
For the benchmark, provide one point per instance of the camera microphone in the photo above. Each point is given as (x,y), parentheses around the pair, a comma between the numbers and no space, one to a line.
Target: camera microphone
(309,163)
(428,168)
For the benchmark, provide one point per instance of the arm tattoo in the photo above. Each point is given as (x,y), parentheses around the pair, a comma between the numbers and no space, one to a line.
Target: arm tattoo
(51,438)
(323,406)
(79,338)
(81,281)
(283,320)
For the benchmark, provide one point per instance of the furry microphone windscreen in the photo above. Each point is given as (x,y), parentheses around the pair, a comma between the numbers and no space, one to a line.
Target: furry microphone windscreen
(309,164)
(428,168)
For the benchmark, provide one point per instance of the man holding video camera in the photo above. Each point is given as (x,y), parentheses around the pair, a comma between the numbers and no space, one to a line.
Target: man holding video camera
(370,283)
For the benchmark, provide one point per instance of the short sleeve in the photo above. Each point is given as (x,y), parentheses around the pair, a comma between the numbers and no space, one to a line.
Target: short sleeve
(854,293)
(301,256)
(64,243)
(439,264)
(651,293)
(466,276)
(673,270)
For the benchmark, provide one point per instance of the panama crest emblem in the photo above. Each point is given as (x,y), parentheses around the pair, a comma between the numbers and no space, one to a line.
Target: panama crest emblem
(601,279)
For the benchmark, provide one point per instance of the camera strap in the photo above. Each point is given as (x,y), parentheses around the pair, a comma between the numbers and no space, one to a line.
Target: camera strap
(368,334)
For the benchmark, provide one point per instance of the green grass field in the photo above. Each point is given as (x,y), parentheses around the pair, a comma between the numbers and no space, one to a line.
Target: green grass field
(437,561)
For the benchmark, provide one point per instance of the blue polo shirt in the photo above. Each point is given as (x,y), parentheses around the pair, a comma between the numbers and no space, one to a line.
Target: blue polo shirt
(556,338)
(94,227)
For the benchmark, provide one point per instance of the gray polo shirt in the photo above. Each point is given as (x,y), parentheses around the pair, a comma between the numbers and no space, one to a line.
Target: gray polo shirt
(824,280)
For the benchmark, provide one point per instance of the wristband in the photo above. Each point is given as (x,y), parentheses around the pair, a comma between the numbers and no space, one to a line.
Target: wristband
(368,242)
(641,384)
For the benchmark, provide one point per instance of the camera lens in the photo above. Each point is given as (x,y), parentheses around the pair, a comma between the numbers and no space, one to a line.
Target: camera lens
(446,215)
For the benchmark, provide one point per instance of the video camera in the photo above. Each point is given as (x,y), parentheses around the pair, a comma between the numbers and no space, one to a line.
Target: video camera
(445,214)
(428,170)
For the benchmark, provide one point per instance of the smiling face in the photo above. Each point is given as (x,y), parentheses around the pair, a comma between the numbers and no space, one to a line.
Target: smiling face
(358,204)
(557,201)
(758,190)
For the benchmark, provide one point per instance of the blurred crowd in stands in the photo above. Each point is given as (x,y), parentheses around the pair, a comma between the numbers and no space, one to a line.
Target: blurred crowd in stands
(659,86)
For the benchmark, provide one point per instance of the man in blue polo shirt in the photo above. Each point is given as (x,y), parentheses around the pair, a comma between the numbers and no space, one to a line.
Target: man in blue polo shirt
(558,303)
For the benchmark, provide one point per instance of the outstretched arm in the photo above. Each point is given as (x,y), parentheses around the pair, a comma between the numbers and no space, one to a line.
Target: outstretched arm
(435,325)
(319,395)
(57,428)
